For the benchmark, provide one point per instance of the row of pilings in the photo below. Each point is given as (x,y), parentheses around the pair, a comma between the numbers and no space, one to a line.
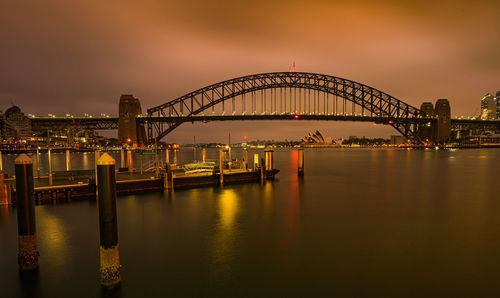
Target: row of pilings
(109,256)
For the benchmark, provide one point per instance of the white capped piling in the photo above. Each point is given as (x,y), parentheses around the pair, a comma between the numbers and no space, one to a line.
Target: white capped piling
(300,163)
(26,224)
(4,198)
(68,161)
(50,165)
(109,254)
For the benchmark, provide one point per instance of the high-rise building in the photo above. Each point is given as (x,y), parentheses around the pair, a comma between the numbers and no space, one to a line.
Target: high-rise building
(488,107)
(497,99)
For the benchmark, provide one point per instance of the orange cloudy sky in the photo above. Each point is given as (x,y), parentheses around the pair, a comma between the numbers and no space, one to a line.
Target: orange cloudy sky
(78,56)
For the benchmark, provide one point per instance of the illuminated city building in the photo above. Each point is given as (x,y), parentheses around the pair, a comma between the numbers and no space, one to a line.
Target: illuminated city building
(488,107)
(497,100)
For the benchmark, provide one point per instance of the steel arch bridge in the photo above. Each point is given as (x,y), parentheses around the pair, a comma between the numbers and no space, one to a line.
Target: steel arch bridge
(275,95)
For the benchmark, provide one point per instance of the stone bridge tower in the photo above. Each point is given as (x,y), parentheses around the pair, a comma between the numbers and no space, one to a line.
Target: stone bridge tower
(439,131)
(443,126)
(129,131)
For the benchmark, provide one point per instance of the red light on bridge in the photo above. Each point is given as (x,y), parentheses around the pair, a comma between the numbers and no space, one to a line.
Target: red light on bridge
(295,116)
(391,122)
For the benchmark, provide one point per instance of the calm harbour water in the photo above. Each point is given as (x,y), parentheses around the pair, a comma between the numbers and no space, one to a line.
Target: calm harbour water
(362,222)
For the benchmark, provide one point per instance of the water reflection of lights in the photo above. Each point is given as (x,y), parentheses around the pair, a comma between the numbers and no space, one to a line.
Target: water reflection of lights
(52,235)
(293,218)
(225,238)
(228,208)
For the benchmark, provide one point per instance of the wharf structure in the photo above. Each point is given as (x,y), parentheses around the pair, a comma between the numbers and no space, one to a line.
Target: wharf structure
(69,185)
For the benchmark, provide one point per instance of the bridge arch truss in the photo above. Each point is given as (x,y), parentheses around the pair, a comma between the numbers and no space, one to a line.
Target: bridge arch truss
(284,93)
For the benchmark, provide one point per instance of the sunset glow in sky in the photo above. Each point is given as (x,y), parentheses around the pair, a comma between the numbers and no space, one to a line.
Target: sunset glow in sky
(79,56)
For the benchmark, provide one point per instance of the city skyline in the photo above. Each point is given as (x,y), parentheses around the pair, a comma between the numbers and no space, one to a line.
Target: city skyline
(88,54)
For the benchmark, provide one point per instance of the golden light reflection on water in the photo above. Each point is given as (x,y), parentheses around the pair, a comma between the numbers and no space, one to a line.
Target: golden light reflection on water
(86,161)
(293,198)
(226,234)
(52,235)
(228,208)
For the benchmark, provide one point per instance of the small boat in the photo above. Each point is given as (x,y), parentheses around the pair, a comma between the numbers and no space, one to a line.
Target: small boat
(199,167)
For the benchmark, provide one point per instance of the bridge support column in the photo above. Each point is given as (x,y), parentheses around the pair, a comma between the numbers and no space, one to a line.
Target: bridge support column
(109,253)
(167,157)
(26,223)
(1,163)
(300,163)
(203,154)
(175,156)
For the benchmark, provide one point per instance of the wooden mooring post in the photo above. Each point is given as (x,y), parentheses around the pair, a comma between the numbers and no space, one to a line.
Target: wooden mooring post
(26,224)
(300,162)
(109,254)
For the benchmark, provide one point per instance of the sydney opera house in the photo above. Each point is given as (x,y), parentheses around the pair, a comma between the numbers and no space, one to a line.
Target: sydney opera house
(316,139)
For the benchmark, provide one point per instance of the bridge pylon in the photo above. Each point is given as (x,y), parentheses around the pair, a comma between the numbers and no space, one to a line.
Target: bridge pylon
(130,132)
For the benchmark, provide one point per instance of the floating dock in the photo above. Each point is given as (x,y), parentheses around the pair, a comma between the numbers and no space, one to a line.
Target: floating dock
(69,187)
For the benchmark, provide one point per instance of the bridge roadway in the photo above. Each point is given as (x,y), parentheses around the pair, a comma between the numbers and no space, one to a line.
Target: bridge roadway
(81,123)
(110,123)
